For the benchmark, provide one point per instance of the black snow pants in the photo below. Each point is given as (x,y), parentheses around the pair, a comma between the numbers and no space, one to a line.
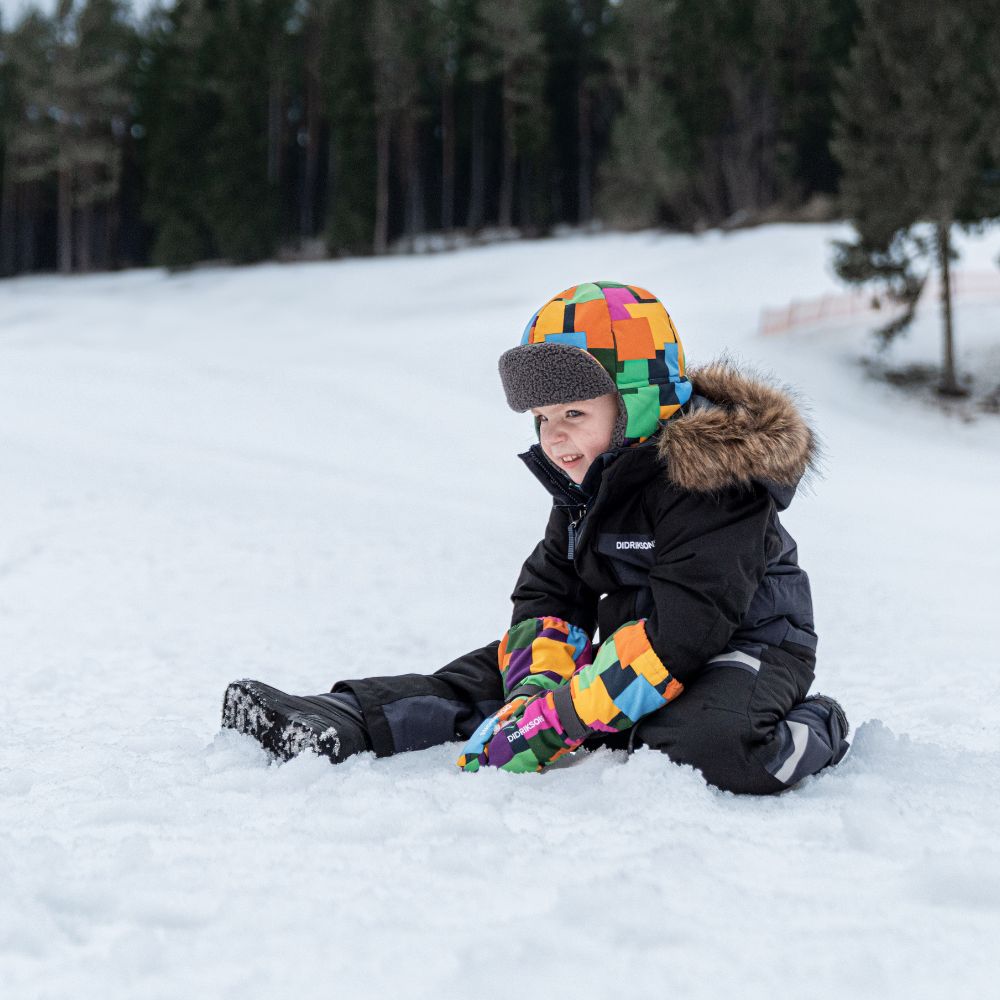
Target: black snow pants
(744,722)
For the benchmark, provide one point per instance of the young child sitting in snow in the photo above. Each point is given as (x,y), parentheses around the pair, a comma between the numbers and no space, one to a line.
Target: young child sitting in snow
(664,540)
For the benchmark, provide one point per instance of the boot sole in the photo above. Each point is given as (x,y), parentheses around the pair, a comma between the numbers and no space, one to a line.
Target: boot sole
(256,709)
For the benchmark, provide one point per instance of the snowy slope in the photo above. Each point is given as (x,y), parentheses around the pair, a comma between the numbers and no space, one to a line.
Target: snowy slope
(302,473)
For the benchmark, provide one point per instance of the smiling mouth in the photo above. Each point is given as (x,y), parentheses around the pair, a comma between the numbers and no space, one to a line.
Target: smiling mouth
(569,459)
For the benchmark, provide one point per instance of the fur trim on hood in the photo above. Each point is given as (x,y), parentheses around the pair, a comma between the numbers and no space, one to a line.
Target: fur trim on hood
(754,431)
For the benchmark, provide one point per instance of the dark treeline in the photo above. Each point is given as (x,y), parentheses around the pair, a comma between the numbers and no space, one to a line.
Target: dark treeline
(239,129)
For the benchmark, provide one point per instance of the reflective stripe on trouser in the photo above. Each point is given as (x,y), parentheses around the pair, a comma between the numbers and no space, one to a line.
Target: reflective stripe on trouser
(745,724)
(810,738)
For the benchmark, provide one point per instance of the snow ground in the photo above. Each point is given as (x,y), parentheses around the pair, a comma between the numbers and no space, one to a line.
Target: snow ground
(302,473)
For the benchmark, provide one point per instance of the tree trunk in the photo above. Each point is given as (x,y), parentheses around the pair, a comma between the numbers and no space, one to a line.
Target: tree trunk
(112,229)
(448,154)
(8,218)
(710,182)
(477,168)
(584,157)
(84,236)
(413,207)
(65,220)
(332,181)
(29,213)
(949,380)
(307,209)
(382,136)
(274,130)
(747,159)
(506,213)
(525,190)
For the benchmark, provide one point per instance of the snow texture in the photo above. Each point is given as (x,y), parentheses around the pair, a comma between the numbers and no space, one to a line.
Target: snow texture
(305,473)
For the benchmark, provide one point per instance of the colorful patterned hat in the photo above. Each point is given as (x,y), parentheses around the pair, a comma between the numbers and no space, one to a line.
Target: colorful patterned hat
(625,330)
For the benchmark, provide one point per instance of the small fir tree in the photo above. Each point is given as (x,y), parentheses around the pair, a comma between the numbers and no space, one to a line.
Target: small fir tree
(919,108)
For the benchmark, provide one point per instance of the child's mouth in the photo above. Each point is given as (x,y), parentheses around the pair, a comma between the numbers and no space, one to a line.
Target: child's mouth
(569,459)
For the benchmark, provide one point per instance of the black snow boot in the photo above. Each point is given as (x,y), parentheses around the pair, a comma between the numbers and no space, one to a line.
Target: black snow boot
(286,725)
(836,722)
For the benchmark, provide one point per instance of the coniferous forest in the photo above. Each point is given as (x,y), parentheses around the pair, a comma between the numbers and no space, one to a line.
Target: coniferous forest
(241,130)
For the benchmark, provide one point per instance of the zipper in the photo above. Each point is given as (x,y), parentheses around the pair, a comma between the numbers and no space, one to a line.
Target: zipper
(574,500)
(573,525)
(551,476)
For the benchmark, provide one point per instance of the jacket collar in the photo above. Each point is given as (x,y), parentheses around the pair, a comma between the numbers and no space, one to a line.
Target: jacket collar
(629,466)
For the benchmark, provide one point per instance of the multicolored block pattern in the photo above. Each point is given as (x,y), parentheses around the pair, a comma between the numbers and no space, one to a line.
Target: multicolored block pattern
(628,331)
(527,739)
(626,682)
(542,653)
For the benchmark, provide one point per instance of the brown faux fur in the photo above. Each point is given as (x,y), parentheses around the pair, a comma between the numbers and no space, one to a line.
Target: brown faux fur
(755,431)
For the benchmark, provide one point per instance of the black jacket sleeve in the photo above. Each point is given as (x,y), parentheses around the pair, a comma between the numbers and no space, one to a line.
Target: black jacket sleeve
(711,555)
(549,583)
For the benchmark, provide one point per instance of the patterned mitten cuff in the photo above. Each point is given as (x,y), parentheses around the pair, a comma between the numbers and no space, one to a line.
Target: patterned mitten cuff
(540,654)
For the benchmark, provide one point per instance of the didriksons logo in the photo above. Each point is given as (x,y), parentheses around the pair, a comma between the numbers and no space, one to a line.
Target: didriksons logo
(525,729)
(644,546)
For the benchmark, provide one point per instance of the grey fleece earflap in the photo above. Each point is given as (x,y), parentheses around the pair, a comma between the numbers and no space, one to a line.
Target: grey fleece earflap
(543,374)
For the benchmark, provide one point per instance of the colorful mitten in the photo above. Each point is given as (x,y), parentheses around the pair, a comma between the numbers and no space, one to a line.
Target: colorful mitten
(531,738)
(626,682)
(541,654)
(475,754)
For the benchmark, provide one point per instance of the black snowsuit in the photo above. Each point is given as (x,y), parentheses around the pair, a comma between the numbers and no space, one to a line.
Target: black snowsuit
(681,531)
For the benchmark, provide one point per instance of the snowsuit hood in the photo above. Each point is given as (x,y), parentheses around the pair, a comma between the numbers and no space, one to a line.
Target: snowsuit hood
(738,429)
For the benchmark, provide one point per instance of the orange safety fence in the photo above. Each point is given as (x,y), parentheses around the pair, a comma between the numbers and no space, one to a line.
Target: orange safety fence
(833,308)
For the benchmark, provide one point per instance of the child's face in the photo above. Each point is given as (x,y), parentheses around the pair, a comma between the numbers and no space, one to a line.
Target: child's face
(572,435)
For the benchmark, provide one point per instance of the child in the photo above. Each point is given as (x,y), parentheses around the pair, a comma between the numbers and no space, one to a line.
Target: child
(664,541)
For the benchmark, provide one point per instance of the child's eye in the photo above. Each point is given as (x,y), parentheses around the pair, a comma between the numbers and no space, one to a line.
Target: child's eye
(574,413)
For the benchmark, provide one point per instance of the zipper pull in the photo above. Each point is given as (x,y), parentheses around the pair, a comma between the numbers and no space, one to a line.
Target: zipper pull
(571,543)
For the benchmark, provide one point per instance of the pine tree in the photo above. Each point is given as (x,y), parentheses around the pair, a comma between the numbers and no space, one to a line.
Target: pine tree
(513,52)
(70,72)
(647,161)
(391,38)
(737,98)
(312,31)
(919,110)
(11,113)
(214,110)
(448,26)
(105,50)
(177,113)
(348,84)
(243,157)
(592,19)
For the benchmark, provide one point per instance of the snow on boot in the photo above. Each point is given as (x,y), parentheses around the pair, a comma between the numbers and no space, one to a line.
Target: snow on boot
(285,724)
